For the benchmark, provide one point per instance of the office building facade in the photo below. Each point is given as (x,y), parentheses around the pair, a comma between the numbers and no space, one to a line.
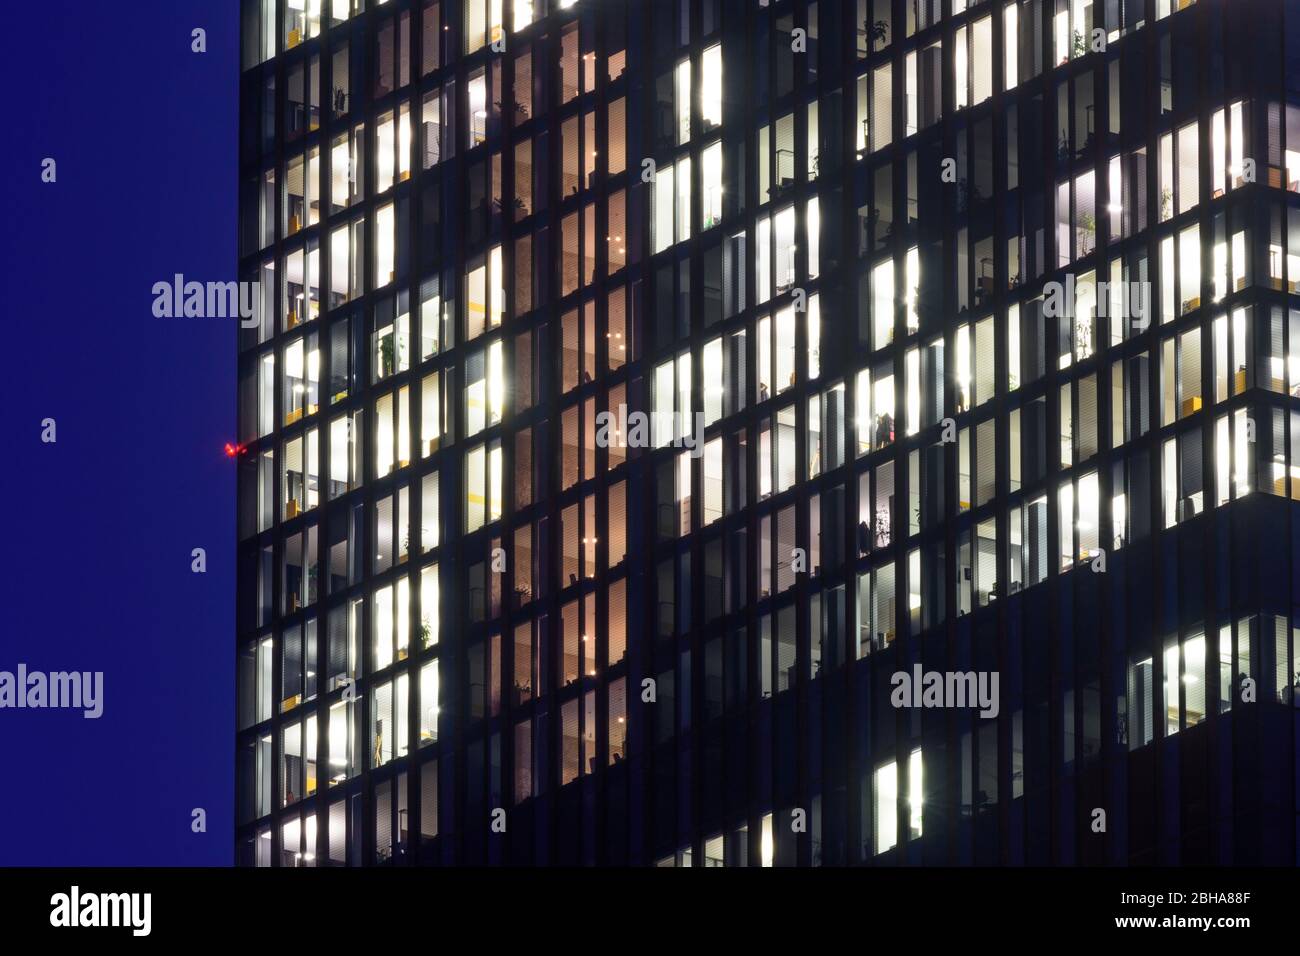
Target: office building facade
(638,389)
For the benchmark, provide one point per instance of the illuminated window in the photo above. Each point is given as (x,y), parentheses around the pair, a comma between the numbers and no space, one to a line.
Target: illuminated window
(482,485)
(429,703)
(484,295)
(476,128)
(301,379)
(711,173)
(886,791)
(484,388)
(389,733)
(682,98)
(347,187)
(301,21)
(300,490)
(483,23)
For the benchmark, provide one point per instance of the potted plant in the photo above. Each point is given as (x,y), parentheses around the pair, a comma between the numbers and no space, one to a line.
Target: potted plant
(1087,223)
(386,355)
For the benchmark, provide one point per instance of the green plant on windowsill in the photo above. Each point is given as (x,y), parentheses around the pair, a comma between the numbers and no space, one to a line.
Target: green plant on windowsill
(1166,201)
(386,356)
(426,634)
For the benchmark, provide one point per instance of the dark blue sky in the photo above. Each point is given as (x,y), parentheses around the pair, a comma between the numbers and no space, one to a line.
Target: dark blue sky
(96,562)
